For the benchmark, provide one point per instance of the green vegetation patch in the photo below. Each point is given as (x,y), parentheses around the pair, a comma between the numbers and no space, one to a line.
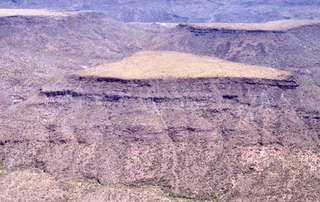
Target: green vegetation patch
(193,197)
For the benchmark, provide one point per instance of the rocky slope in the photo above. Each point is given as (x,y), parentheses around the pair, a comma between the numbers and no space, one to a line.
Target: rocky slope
(226,138)
(35,185)
(180,11)
(37,49)
(295,49)
(42,48)
(251,139)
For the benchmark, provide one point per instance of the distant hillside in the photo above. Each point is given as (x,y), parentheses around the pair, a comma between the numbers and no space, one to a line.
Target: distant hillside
(186,11)
(38,46)
(288,45)
(126,105)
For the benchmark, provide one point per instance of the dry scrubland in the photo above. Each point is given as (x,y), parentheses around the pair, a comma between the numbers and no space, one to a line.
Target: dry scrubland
(166,64)
(35,185)
(34,12)
(265,134)
(280,25)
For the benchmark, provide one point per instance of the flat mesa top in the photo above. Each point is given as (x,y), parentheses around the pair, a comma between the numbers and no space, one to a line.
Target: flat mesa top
(171,65)
(280,25)
(34,12)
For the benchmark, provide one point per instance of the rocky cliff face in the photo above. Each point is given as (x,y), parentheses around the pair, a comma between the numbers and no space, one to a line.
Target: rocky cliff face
(295,50)
(216,138)
(180,11)
(225,137)
(35,50)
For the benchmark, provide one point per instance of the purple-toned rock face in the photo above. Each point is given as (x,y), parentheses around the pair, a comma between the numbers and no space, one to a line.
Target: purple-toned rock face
(245,139)
(186,11)
(189,135)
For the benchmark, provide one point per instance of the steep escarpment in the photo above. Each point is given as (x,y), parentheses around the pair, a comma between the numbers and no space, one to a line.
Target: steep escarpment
(197,127)
(219,136)
(282,45)
(38,46)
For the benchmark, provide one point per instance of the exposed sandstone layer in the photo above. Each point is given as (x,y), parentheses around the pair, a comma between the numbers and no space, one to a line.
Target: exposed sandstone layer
(36,50)
(236,138)
(35,12)
(251,139)
(279,25)
(171,64)
(295,49)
